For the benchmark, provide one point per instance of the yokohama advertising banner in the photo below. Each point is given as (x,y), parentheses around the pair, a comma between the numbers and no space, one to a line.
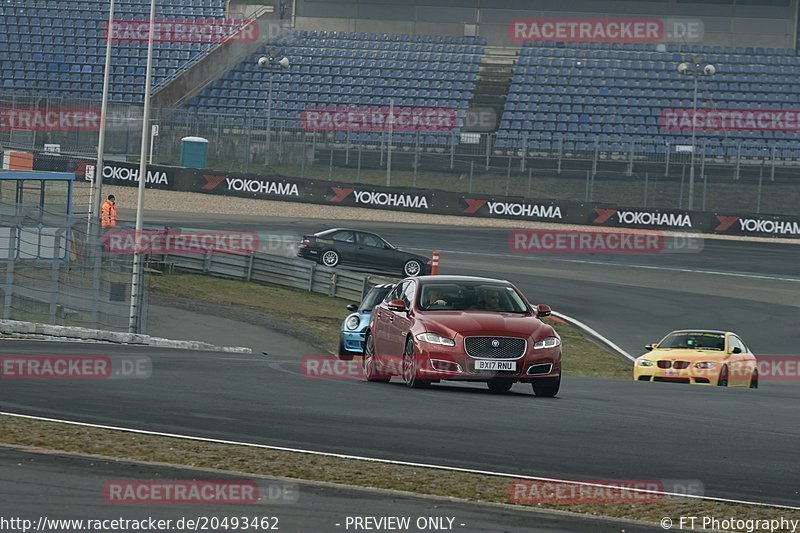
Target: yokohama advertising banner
(757,225)
(522,209)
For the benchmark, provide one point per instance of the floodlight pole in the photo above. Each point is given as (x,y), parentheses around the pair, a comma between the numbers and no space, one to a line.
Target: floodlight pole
(96,184)
(694,69)
(270,63)
(136,281)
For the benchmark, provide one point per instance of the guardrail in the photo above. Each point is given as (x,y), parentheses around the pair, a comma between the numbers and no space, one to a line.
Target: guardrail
(276,270)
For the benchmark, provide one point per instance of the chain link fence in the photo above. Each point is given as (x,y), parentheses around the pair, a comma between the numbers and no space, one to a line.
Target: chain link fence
(54,270)
(728,174)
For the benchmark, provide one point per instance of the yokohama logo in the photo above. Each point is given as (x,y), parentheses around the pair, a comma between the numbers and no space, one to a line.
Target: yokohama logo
(383,199)
(391,199)
(128,174)
(644,218)
(525,210)
(261,187)
(758,225)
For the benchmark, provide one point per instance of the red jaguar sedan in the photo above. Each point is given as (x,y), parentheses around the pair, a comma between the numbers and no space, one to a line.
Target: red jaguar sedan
(434,328)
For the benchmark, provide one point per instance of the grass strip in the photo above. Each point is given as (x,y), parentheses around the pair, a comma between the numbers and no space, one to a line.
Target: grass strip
(121,445)
(321,316)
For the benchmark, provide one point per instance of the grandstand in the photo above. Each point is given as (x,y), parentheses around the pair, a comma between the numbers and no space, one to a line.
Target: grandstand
(584,99)
(49,50)
(614,96)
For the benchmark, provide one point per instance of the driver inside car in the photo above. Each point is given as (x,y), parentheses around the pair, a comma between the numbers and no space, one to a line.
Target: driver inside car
(435,298)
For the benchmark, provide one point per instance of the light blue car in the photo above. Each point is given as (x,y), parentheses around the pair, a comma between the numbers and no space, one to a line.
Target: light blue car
(351,340)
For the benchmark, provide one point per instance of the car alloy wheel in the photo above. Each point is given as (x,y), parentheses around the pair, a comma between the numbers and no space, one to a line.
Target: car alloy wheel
(754,380)
(546,388)
(723,377)
(330,258)
(411,367)
(370,362)
(412,268)
(499,386)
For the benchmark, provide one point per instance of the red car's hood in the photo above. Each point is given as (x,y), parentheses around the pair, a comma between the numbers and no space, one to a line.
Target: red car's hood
(468,323)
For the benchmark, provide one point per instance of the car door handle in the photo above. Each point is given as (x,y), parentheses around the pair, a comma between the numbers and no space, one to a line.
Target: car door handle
(391,318)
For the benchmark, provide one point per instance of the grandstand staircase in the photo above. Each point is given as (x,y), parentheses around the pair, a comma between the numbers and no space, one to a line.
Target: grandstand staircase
(213,64)
(494,79)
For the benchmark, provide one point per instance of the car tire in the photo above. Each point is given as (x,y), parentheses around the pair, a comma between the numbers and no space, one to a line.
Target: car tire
(411,367)
(499,386)
(370,362)
(412,267)
(546,388)
(344,355)
(722,381)
(329,258)
(754,380)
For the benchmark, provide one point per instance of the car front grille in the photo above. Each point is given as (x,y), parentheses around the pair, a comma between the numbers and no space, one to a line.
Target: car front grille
(680,365)
(672,380)
(506,347)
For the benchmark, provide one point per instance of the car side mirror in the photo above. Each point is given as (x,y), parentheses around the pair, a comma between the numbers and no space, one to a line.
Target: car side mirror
(396,305)
(736,349)
(543,310)
(352,308)
(649,347)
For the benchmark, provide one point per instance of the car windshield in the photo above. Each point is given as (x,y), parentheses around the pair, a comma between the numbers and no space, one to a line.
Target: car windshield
(471,296)
(373,298)
(693,340)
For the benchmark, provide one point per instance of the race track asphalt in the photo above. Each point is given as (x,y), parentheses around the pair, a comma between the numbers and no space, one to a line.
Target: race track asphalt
(61,487)
(739,443)
(752,288)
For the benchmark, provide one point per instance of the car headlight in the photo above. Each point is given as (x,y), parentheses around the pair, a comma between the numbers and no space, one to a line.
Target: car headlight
(705,364)
(433,338)
(644,362)
(352,322)
(548,342)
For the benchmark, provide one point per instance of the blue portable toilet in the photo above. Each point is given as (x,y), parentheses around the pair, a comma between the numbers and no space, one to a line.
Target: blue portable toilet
(194,152)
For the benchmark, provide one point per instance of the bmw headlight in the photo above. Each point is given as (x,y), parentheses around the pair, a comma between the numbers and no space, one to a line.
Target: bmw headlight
(548,342)
(705,364)
(433,338)
(645,362)
(352,322)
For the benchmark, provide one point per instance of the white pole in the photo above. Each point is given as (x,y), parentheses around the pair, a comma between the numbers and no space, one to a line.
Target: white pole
(96,186)
(389,145)
(152,142)
(133,325)
(694,121)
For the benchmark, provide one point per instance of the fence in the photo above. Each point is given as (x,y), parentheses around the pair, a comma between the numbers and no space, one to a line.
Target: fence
(729,174)
(53,270)
(285,272)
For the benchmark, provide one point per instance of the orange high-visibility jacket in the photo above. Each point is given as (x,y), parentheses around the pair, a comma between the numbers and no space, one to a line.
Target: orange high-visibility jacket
(108,216)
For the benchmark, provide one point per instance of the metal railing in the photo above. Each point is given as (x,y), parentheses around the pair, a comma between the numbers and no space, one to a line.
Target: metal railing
(260,267)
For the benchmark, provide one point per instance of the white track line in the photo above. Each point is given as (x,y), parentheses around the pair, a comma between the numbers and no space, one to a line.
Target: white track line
(392,462)
(593,333)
